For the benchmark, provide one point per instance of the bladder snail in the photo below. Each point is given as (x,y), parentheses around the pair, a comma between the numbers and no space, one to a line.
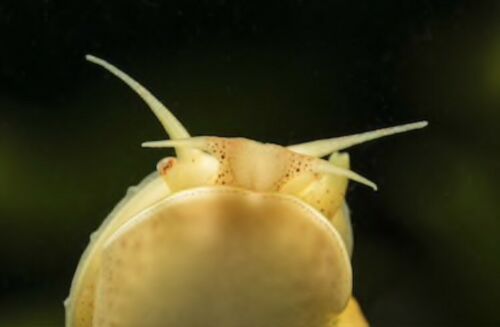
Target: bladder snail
(229,233)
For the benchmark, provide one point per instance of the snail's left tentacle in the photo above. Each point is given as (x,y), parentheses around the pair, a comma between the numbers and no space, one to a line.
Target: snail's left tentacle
(199,142)
(170,123)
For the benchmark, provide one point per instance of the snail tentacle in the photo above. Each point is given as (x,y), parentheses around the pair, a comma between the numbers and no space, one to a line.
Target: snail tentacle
(191,142)
(328,168)
(170,123)
(321,148)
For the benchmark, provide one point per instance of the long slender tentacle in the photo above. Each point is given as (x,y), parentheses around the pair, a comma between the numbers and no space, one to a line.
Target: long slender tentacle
(172,125)
(321,148)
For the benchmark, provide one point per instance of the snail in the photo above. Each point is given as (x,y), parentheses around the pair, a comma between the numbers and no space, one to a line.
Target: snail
(229,233)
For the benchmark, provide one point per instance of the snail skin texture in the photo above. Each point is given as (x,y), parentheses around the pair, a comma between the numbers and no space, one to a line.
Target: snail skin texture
(229,233)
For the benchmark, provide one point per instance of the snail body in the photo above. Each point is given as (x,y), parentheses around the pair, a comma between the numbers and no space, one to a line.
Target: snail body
(230,232)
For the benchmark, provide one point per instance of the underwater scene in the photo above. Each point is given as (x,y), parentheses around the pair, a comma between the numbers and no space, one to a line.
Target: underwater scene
(249,163)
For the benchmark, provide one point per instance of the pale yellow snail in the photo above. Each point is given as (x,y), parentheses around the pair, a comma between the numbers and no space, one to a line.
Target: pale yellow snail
(230,233)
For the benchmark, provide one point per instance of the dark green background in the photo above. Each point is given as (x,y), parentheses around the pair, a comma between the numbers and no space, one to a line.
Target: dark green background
(427,244)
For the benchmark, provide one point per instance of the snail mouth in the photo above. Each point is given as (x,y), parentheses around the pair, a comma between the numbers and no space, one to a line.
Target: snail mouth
(223,256)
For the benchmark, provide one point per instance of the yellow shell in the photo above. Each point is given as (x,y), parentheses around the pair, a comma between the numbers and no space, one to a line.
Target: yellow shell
(230,233)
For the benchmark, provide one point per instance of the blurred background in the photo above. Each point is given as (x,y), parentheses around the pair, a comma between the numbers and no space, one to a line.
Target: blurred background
(427,244)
